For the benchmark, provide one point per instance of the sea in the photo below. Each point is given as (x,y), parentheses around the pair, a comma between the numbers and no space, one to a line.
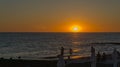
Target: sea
(37,45)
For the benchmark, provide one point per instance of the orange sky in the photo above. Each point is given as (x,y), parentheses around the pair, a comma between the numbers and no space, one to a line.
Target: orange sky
(59,16)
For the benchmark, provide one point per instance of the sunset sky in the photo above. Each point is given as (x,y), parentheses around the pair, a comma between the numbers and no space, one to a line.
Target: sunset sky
(59,15)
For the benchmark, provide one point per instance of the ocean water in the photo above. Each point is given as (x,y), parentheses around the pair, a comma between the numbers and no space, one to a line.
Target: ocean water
(37,45)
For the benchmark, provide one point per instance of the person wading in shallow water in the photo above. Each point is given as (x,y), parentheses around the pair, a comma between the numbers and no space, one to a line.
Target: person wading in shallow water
(70,52)
(93,57)
(62,51)
(61,62)
(103,57)
(98,57)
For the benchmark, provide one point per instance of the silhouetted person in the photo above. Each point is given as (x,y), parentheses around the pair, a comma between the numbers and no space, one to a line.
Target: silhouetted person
(92,50)
(19,57)
(98,56)
(93,57)
(103,57)
(115,58)
(70,51)
(62,51)
(11,58)
(2,58)
(68,61)
(61,62)
(68,57)
(118,53)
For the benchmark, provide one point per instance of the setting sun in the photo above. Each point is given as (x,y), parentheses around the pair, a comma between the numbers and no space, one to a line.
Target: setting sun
(76,28)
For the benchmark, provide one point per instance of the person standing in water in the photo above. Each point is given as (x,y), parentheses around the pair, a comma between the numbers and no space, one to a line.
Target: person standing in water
(62,51)
(93,57)
(61,62)
(70,52)
(98,56)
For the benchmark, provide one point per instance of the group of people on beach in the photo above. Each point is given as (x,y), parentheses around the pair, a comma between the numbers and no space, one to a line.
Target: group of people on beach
(104,56)
(70,52)
(101,57)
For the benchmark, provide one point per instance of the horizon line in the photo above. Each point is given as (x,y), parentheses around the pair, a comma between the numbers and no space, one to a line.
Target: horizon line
(59,32)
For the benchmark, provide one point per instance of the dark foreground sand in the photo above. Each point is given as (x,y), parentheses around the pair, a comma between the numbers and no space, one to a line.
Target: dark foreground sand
(27,63)
(44,63)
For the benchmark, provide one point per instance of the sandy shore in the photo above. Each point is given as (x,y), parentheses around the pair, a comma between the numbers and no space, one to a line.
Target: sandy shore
(27,63)
(45,63)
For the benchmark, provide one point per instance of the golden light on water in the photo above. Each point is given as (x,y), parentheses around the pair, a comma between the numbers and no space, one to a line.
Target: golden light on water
(76,28)
(76,50)
(76,57)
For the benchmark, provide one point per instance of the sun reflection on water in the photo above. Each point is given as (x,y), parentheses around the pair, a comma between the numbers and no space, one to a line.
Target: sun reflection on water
(76,57)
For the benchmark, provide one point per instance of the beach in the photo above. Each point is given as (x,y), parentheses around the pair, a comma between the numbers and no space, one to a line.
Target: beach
(46,63)
(59,33)
(95,60)
(42,49)
(27,63)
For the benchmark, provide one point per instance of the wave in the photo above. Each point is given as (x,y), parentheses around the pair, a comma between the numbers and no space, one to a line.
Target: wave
(114,43)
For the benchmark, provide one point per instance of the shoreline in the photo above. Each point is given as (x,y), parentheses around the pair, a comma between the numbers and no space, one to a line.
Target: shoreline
(79,62)
(45,63)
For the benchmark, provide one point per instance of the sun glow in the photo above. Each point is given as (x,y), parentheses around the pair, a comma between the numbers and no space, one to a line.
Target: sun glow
(76,28)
